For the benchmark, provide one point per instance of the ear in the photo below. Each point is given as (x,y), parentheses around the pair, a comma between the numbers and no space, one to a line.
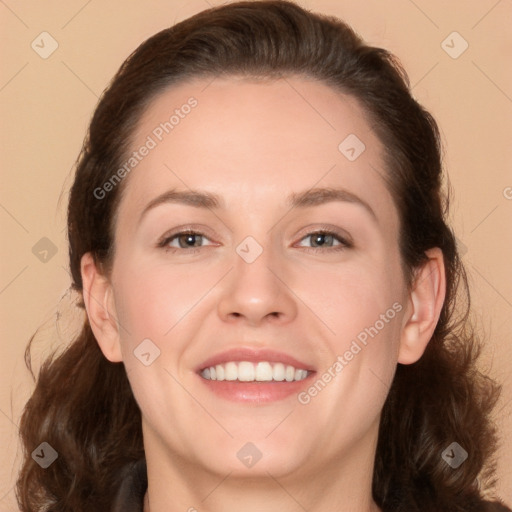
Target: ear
(425,302)
(100,307)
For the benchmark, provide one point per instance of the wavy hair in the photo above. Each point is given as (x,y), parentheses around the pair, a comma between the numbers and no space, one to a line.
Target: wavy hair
(83,405)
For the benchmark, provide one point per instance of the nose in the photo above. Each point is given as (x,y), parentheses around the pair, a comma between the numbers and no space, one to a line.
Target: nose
(258,292)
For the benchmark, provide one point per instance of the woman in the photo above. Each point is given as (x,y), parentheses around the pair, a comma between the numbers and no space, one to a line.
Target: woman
(257,230)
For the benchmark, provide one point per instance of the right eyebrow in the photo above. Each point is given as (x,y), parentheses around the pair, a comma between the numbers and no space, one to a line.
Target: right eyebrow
(195,198)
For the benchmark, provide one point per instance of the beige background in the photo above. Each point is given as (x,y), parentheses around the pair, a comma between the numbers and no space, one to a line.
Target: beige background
(47,103)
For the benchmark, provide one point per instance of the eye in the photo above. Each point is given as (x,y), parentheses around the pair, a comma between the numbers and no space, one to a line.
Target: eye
(187,239)
(190,240)
(325,240)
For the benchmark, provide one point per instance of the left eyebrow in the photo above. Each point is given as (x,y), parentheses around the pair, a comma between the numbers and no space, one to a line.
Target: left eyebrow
(318,196)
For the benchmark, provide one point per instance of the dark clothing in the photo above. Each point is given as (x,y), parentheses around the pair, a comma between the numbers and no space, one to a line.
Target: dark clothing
(130,495)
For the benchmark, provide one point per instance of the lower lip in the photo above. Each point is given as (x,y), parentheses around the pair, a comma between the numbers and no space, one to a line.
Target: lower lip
(256,392)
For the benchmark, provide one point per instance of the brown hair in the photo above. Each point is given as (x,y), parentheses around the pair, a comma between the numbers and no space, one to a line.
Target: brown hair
(83,405)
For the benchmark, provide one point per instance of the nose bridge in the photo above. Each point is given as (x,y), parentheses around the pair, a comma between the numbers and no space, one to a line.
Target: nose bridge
(255,292)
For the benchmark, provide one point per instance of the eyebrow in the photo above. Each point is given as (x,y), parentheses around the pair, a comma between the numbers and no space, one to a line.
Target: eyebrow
(305,199)
(318,196)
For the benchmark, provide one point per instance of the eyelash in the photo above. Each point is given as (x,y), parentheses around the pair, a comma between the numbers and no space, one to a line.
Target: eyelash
(344,243)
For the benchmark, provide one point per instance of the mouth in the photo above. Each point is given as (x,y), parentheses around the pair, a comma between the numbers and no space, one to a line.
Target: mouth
(257,377)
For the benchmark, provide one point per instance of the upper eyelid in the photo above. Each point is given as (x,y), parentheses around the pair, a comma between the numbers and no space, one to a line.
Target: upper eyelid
(180,230)
(340,233)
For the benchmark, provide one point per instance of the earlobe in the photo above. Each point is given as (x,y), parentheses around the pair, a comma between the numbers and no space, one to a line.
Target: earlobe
(100,307)
(426,300)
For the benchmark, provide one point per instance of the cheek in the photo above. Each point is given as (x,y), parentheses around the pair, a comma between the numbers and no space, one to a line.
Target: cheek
(356,296)
(151,300)
(364,307)
(152,297)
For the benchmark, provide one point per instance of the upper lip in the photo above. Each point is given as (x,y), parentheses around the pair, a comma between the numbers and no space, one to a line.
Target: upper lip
(253,355)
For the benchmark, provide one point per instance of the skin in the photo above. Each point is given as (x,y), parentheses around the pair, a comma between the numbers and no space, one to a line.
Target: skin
(253,143)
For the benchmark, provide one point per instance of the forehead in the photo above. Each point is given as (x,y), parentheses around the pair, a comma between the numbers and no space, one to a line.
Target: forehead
(257,140)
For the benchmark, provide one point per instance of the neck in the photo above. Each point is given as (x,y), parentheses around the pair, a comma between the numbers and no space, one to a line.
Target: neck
(342,483)
(373,507)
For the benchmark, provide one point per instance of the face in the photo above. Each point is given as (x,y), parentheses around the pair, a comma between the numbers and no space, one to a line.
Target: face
(257,264)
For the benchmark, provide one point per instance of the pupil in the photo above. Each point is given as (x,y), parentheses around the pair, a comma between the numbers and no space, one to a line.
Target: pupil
(321,239)
(189,240)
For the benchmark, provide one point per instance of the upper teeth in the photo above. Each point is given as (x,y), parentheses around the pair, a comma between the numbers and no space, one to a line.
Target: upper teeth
(246,371)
